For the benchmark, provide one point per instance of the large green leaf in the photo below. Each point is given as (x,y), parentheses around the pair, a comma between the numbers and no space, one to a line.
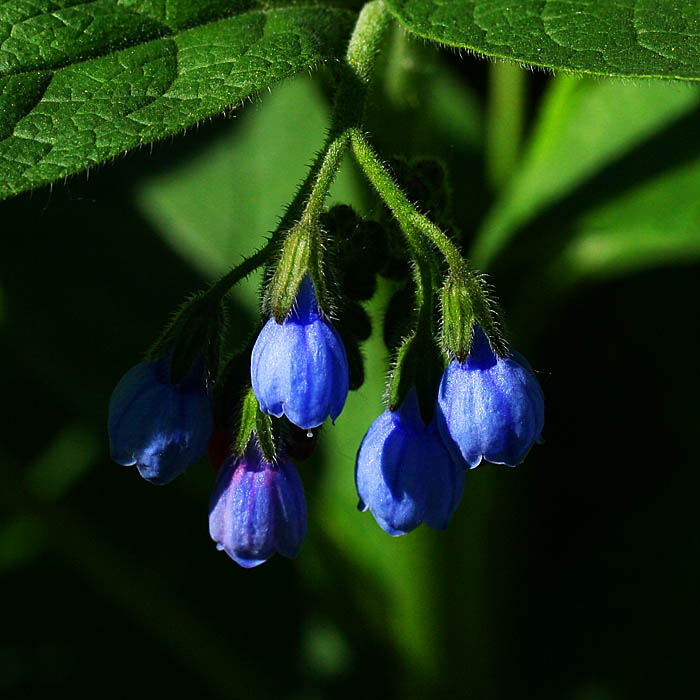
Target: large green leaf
(657,223)
(583,126)
(640,38)
(607,187)
(652,225)
(218,205)
(60,114)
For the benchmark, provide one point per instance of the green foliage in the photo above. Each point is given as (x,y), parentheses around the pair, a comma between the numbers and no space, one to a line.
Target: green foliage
(589,230)
(583,126)
(144,78)
(604,37)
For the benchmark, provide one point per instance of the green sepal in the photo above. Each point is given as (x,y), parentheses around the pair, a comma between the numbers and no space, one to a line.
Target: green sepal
(196,328)
(255,424)
(248,422)
(266,436)
(457,319)
(466,299)
(418,364)
(301,255)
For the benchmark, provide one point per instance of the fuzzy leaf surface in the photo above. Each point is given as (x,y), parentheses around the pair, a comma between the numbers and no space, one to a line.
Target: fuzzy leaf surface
(81,82)
(633,38)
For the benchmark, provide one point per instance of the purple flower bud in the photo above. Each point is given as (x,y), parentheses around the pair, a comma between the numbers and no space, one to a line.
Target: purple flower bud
(489,407)
(299,368)
(404,474)
(160,427)
(257,509)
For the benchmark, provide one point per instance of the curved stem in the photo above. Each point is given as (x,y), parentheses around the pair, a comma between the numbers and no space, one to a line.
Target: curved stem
(354,76)
(307,205)
(331,158)
(412,221)
(406,214)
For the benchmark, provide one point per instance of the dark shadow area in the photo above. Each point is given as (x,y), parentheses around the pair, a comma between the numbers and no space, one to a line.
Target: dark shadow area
(543,238)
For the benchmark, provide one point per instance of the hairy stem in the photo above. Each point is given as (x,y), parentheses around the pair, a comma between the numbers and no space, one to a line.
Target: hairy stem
(307,205)
(354,80)
(421,232)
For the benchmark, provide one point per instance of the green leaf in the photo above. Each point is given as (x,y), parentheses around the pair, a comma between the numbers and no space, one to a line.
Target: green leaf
(583,126)
(55,121)
(654,224)
(634,38)
(607,187)
(218,204)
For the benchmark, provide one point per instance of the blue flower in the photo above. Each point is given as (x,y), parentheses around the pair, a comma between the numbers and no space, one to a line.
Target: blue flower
(490,407)
(160,427)
(257,509)
(299,368)
(404,474)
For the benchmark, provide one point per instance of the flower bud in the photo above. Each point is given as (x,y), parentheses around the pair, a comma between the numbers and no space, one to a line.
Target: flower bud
(457,318)
(299,368)
(300,258)
(257,509)
(160,427)
(489,407)
(404,474)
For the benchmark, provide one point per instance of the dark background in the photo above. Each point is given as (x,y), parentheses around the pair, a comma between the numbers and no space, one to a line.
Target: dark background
(573,576)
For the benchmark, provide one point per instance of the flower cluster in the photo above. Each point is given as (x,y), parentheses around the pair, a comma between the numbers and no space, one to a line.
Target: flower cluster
(488,408)
(410,467)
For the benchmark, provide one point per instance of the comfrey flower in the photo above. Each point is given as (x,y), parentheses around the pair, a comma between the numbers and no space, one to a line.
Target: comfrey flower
(490,407)
(299,368)
(160,427)
(404,474)
(257,509)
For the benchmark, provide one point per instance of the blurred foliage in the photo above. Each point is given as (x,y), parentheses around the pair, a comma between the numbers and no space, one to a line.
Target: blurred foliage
(568,577)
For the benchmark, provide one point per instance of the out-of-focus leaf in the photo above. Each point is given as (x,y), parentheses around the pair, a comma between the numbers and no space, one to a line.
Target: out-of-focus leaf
(60,113)
(635,38)
(657,223)
(63,463)
(399,565)
(583,126)
(420,89)
(21,540)
(219,205)
(440,115)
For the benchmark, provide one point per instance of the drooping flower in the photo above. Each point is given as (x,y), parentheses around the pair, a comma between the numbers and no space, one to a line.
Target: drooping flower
(404,474)
(299,368)
(160,427)
(490,407)
(257,509)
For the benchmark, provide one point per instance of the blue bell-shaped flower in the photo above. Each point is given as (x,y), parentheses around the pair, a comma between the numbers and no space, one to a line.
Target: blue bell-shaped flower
(404,474)
(160,427)
(299,368)
(489,407)
(257,509)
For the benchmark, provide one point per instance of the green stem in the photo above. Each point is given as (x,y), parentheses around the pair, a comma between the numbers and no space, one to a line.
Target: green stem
(307,205)
(412,221)
(218,289)
(506,107)
(366,40)
(331,158)
(355,78)
(409,218)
